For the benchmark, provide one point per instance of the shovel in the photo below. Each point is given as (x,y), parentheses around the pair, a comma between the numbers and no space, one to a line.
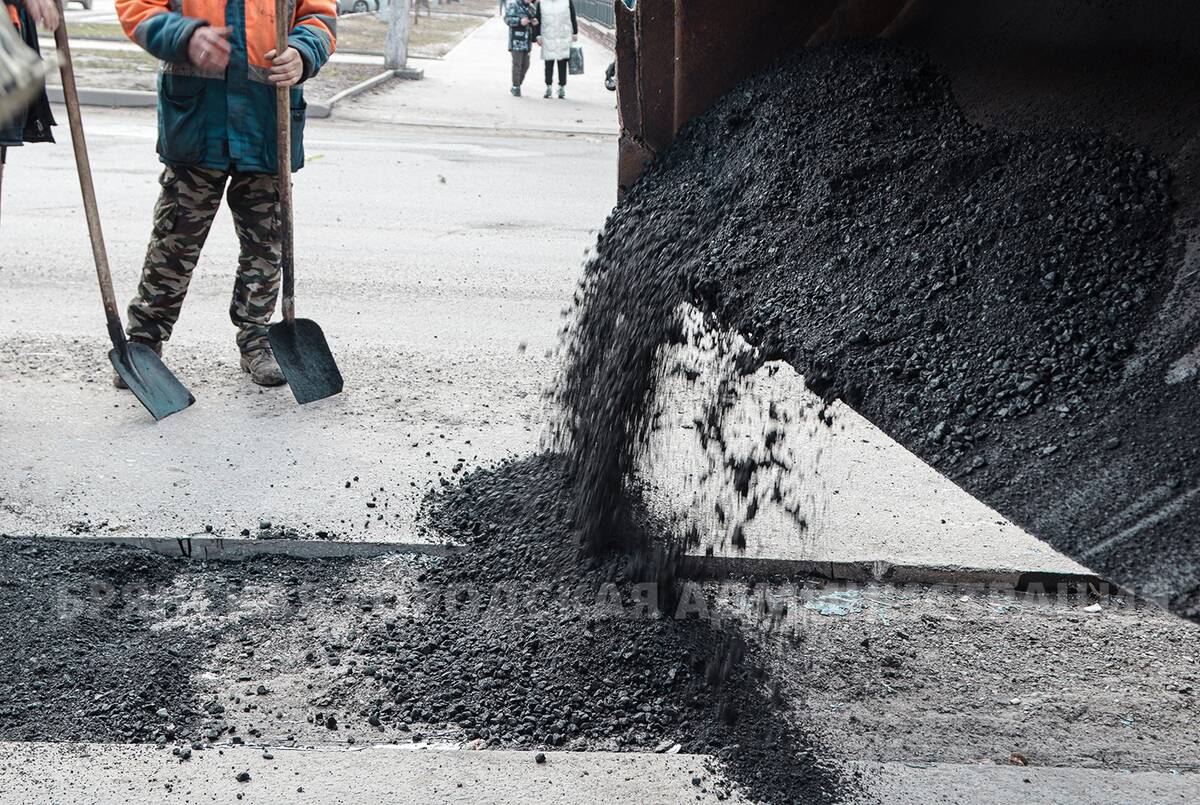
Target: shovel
(299,345)
(143,371)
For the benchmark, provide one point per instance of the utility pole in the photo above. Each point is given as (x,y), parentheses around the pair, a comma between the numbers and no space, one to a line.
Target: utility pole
(395,52)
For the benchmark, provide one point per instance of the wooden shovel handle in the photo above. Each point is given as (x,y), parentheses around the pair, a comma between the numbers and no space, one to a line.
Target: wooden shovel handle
(84,168)
(283,150)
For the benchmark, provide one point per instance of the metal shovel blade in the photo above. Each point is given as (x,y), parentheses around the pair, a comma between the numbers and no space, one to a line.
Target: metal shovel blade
(304,357)
(150,380)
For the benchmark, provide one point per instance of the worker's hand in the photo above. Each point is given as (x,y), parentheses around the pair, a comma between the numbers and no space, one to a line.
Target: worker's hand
(524,21)
(574,37)
(44,13)
(539,40)
(288,69)
(208,48)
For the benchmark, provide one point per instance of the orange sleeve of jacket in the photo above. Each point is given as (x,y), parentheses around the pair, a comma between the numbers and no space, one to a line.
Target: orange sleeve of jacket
(314,33)
(163,32)
(321,16)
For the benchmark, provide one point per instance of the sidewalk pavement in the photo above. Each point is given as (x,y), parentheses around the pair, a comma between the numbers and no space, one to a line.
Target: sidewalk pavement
(469,88)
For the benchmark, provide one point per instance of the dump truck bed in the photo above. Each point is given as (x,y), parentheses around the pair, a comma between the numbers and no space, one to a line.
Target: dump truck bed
(1130,505)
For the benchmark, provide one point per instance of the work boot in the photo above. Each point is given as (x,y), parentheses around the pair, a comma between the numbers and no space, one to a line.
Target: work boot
(562,92)
(516,91)
(549,89)
(154,345)
(262,367)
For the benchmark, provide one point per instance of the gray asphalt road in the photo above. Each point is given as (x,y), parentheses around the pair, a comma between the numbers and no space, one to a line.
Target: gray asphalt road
(437,264)
(922,694)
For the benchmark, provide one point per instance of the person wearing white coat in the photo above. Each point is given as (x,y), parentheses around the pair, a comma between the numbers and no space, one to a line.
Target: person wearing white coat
(559,28)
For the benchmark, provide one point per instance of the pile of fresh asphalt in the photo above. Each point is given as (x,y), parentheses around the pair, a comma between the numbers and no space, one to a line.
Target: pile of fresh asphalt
(78,660)
(521,645)
(107,643)
(865,231)
(977,293)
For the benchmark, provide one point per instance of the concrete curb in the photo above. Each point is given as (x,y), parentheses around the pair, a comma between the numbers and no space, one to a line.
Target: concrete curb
(144,99)
(112,98)
(323,110)
(542,133)
(411,56)
(230,549)
(82,42)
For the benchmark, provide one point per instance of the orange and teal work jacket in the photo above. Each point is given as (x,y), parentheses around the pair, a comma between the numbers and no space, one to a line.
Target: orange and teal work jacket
(227,121)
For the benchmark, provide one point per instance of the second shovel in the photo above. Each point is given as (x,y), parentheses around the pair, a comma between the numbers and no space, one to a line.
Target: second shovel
(299,345)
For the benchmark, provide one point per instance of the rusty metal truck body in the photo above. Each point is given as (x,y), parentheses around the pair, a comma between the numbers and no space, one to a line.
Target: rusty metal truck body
(1130,69)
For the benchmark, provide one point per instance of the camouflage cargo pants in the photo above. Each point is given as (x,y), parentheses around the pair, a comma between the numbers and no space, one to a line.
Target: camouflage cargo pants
(184,213)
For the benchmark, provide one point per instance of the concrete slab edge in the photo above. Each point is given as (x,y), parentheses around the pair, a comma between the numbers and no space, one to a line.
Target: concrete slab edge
(865,571)
(233,549)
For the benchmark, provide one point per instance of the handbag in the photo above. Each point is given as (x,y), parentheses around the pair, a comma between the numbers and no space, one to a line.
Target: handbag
(576,64)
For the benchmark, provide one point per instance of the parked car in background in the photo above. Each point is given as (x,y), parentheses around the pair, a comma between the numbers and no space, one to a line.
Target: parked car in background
(351,6)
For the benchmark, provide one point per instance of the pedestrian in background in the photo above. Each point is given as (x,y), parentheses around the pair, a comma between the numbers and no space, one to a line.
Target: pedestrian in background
(217,137)
(559,28)
(522,17)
